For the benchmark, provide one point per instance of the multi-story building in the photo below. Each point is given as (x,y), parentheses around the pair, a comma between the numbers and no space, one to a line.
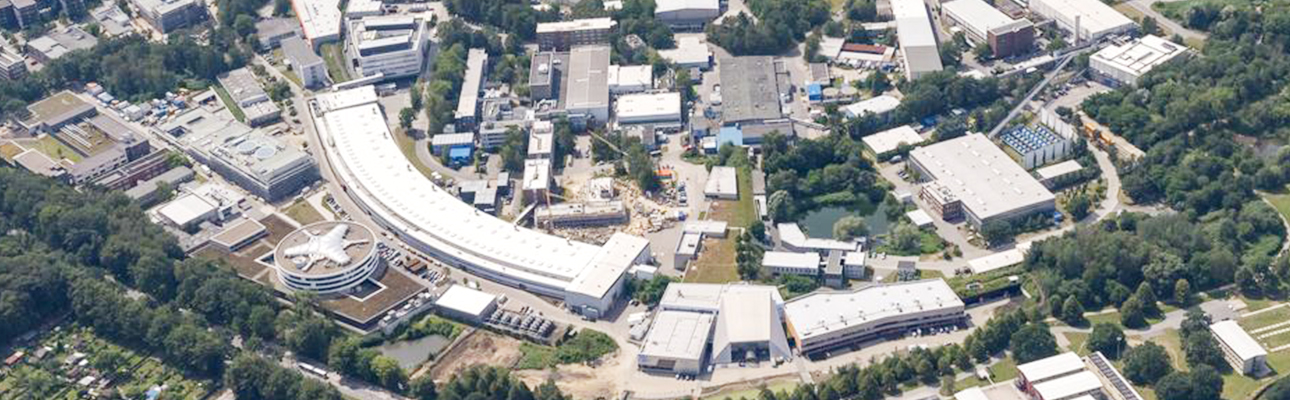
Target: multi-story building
(168,15)
(273,31)
(918,41)
(786,263)
(823,321)
(58,42)
(327,257)
(565,215)
(247,94)
(1037,145)
(307,65)
(1123,64)
(545,70)
(8,16)
(387,46)
(467,114)
(564,35)
(1240,349)
(586,98)
(262,164)
(985,24)
(12,66)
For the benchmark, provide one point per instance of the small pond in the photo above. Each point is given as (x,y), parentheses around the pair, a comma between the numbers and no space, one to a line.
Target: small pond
(819,222)
(412,353)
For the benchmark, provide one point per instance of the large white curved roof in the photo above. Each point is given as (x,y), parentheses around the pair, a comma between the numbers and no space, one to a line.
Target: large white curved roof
(375,170)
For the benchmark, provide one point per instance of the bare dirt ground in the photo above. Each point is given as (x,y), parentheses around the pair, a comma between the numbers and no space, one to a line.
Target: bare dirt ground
(580,381)
(482,348)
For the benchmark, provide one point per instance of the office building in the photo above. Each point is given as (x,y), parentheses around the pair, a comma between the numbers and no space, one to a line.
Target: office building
(12,66)
(586,90)
(1240,349)
(746,325)
(787,263)
(793,239)
(448,141)
(984,24)
(8,16)
(246,93)
(917,39)
(1066,376)
(388,47)
(749,89)
(1123,64)
(971,177)
(307,65)
(1037,145)
(564,35)
(364,8)
(56,111)
(661,110)
(823,321)
(687,14)
(58,42)
(320,20)
(169,15)
(272,31)
(467,114)
(27,12)
(329,257)
(261,164)
(465,304)
(546,71)
(1087,20)
(580,215)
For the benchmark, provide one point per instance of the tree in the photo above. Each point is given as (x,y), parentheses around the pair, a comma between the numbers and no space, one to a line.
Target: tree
(1150,26)
(758,230)
(1147,363)
(780,206)
(1202,382)
(281,8)
(996,232)
(406,115)
(1078,206)
(1107,338)
(1073,312)
(1182,292)
(1201,348)
(850,227)
(388,374)
(1147,295)
(1032,342)
(1131,313)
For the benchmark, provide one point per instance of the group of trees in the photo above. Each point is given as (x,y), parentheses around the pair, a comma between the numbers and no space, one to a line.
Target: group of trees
(779,25)
(516,17)
(1132,260)
(1149,364)
(630,158)
(818,172)
(748,256)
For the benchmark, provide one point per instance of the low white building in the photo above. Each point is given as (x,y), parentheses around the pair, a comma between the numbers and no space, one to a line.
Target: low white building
(823,321)
(723,183)
(880,106)
(676,342)
(1088,20)
(1123,64)
(890,140)
(657,109)
(466,304)
(630,78)
(687,14)
(786,263)
(690,52)
(792,237)
(1240,349)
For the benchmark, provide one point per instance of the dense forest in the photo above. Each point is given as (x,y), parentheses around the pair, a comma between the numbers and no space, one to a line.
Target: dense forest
(515,17)
(779,26)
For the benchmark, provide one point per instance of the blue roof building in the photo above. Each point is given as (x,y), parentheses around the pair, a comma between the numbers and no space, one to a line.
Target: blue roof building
(459,155)
(814,92)
(730,135)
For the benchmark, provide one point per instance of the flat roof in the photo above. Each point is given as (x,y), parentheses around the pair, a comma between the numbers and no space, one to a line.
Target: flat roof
(186,209)
(663,6)
(747,317)
(613,260)
(1003,259)
(919,217)
(1059,169)
(706,297)
(1068,386)
(1139,56)
(790,259)
(879,105)
(542,68)
(891,139)
(689,50)
(537,174)
(631,75)
(465,300)
(241,231)
(38,163)
(242,86)
(1235,337)
(253,153)
(977,172)
(819,313)
(977,15)
(722,181)
(297,51)
(587,85)
(705,226)
(689,244)
(974,393)
(1051,367)
(792,235)
(380,176)
(1094,16)
(678,335)
(749,89)
(915,35)
(649,105)
(320,19)
(576,25)
(541,143)
(58,108)
(323,248)
(452,139)
(472,83)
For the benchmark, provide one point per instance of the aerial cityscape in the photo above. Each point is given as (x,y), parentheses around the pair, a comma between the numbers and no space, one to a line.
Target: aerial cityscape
(645,199)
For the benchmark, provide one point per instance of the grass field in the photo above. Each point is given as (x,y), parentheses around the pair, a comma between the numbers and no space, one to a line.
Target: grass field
(1281,202)
(753,393)
(303,212)
(1176,10)
(56,149)
(229,104)
(716,263)
(1265,318)
(1077,340)
(1001,371)
(334,56)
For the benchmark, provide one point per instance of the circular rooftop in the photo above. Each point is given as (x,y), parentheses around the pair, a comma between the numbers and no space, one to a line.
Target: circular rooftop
(325,249)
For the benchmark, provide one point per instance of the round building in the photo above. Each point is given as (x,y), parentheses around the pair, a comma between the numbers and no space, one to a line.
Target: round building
(327,257)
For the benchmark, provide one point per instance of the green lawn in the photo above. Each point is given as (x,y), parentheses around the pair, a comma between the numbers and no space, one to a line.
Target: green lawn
(1001,371)
(1280,201)
(1114,318)
(303,212)
(716,263)
(1265,318)
(1077,340)
(535,356)
(55,149)
(229,104)
(1176,10)
(752,393)
(334,56)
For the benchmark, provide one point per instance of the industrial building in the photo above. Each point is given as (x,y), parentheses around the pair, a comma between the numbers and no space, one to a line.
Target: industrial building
(239,234)
(661,110)
(465,304)
(387,47)
(788,263)
(880,106)
(1240,349)
(1067,376)
(707,228)
(467,114)
(431,220)
(971,177)
(166,16)
(746,325)
(565,35)
(890,140)
(245,91)
(541,140)
(586,89)
(56,111)
(320,20)
(327,257)
(749,89)
(448,141)
(723,183)
(687,248)
(194,206)
(1123,64)
(916,37)
(630,78)
(1087,20)
(264,165)
(824,321)
(272,31)
(580,215)
(676,343)
(984,24)
(305,62)
(687,14)
(1053,175)
(1037,145)
(690,52)
(58,42)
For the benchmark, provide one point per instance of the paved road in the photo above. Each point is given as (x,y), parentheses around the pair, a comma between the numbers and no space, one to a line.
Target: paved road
(1040,87)
(1144,6)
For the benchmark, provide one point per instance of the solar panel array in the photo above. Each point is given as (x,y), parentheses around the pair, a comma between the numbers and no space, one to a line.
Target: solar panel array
(1025,139)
